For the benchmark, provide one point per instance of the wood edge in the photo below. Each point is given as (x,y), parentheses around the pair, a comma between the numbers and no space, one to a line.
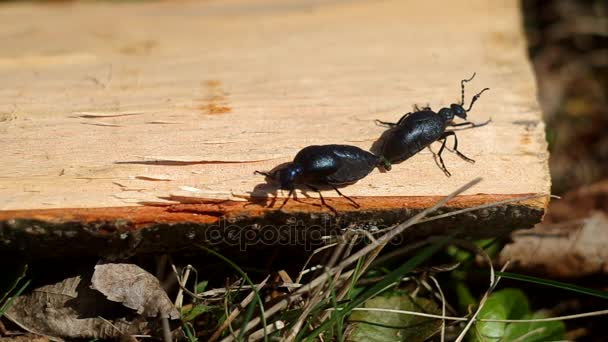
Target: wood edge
(209,211)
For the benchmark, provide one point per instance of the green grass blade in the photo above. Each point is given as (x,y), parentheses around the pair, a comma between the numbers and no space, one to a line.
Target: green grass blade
(553,283)
(9,302)
(15,283)
(250,308)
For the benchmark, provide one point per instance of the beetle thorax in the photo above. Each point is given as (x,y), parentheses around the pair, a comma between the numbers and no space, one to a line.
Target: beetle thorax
(446,114)
(287,175)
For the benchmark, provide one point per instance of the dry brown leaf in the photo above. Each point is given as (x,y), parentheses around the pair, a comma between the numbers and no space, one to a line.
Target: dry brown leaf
(135,288)
(565,250)
(24,338)
(579,203)
(69,309)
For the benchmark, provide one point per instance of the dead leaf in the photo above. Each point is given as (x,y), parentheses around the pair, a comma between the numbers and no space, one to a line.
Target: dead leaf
(579,203)
(70,309)
(135,288)
(24,338)
(562,250)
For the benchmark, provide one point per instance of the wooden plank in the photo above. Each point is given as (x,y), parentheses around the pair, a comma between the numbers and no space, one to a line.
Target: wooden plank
(109,107)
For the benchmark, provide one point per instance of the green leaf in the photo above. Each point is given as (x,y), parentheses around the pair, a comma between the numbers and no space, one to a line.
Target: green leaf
(512,303)
(464,296)
(388,326)
(193,312)
(200,287)
(535,331)
(504,304)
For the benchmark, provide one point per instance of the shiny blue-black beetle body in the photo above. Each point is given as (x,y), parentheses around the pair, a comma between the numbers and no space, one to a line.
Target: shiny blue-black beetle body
(324,165)
(417,130)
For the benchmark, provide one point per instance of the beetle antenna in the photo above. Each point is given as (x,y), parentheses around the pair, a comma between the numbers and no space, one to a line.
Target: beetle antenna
(476,97)
(462,88)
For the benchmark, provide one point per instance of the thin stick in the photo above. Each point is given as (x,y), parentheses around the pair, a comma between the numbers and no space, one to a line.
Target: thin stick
(525,336)
(400,228)
(284,303)
(442,307)
(166,329)
(270,328)
(478,250)
(466,210)
(299,279)
(179,299)
(464,319)
(316,296)
(481,304)
(234,314)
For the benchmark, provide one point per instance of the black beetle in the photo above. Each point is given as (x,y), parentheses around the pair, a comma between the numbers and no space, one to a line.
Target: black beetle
(417,130)
(324,165)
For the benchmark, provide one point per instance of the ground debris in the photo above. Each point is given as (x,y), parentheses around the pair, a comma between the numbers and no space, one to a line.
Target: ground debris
(70,309)
(571,240)
(135,288)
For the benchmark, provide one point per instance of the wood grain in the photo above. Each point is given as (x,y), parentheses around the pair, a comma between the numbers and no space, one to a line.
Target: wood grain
(122,105)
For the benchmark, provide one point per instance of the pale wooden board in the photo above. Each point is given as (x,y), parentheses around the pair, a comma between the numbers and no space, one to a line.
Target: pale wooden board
(242,86)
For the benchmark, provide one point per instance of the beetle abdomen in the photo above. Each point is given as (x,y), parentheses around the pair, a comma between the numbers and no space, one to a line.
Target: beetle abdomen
(355,164)
(336,164)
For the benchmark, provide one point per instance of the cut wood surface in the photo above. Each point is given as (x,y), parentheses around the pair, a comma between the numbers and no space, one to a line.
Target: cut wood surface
(161,111)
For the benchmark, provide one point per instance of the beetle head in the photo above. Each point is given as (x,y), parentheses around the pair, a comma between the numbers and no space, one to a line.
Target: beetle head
(458,111)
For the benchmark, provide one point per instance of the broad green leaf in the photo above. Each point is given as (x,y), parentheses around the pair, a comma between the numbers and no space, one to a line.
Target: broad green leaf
(504,304)
(386,326)
(536,331)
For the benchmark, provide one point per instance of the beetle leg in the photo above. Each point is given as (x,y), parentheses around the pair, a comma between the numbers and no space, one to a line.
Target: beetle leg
(418,108)
(470,124)
(442,166)
(384,123)
(291,193)
(355,204)
(393,124)
(322,199)
(465,158)
(402,118)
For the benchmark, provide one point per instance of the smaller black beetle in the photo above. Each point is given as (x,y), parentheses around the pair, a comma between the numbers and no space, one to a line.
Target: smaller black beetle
(417,130)
(324,165)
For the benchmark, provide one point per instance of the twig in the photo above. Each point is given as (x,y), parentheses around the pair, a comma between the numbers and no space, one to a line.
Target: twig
(234,314)
(442,307)
(464,319)
(478,250)
(316,296)
(284,303)
(166,329)
(179,299)
(270,328)
(318,250)
(525,336)
(481,304)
